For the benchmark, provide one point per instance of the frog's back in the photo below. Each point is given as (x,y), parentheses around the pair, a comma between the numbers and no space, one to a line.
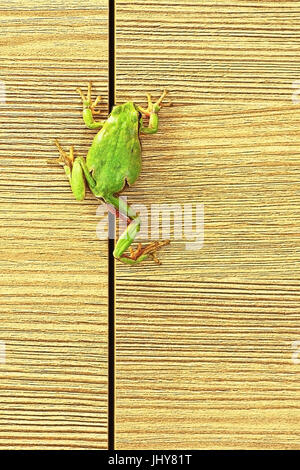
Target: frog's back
(115,154)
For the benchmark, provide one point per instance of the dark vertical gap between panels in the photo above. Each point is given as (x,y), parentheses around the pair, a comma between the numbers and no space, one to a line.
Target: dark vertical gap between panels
(111,244)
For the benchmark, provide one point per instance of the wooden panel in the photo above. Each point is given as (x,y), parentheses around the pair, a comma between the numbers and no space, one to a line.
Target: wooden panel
(204,342)
(53,388)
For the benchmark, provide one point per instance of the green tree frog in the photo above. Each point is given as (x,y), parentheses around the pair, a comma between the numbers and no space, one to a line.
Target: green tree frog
(112,162)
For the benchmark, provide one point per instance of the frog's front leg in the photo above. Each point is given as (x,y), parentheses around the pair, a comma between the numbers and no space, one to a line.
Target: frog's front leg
(127,238)
(76,171)
(152,113)
(89,108)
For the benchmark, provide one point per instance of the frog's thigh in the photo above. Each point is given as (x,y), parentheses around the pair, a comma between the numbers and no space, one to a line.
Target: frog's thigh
(127,238)
(76,178)
(90,180)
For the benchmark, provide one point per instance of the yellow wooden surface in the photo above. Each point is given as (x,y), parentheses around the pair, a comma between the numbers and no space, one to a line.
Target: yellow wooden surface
(53,386)
(204,356)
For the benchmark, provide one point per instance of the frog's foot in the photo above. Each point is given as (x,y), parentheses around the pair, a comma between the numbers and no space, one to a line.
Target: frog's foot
(87,100)
(149,250)
(65,159)
(154,107)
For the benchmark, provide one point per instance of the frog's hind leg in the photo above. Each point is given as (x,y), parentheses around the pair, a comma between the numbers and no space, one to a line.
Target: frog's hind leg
(127,238)
(141,253)
(76,171)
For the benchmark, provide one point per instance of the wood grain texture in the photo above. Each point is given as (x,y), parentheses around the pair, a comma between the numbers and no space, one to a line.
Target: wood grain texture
(53,386)
(204,356)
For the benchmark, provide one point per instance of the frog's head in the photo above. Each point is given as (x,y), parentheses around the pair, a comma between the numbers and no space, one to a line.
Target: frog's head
(127,110)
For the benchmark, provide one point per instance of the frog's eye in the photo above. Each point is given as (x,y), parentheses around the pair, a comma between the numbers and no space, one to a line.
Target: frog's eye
(116,110)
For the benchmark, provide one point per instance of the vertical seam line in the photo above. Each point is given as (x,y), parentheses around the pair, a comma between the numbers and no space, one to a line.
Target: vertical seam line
(111,244)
